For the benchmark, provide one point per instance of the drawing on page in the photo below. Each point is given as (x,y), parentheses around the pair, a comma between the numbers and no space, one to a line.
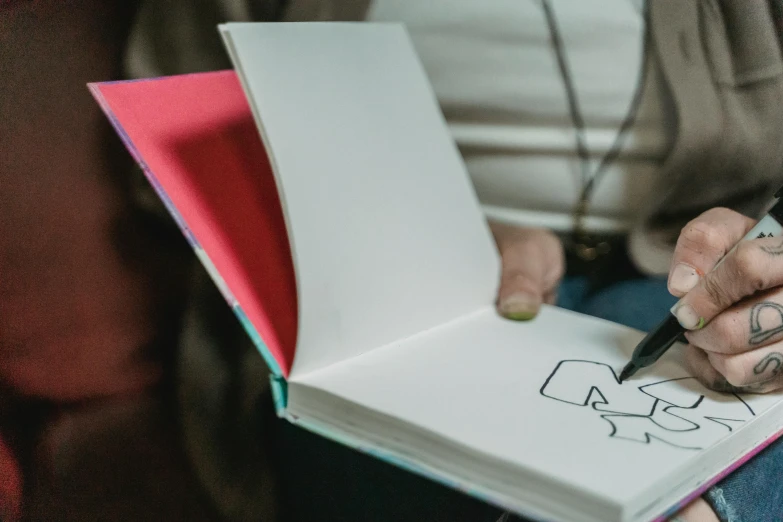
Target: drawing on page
(679,412)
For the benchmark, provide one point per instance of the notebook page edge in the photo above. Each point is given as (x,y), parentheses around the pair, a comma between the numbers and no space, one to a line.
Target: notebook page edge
(449,462)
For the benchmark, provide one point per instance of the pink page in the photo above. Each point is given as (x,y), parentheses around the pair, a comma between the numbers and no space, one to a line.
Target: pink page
(196,140)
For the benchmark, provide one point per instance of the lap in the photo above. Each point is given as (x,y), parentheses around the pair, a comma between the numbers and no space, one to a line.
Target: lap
(639,303)
(323,480)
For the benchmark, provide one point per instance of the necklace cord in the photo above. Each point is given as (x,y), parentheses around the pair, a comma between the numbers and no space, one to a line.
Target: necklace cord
(589,181)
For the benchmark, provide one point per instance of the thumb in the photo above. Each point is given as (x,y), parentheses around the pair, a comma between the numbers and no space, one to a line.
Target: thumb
(532,266)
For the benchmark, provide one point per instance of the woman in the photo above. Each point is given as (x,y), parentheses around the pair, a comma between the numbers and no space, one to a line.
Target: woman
(594,131)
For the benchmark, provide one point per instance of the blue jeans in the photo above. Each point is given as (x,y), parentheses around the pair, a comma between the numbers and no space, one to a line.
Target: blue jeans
(753,493)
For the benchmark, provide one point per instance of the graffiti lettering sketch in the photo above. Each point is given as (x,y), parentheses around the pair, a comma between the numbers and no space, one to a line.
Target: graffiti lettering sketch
(679,412)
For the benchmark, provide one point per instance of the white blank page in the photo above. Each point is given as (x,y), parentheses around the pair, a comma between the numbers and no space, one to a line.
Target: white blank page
(387,234)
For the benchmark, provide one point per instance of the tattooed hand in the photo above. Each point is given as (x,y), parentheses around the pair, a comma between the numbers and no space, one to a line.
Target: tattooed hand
(734,313)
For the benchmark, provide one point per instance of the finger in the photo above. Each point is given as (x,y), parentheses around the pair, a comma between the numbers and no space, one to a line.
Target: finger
(551,297)
(752,267)
(750,324)
(702,243)
(700,367)
(697,511)
(532,265)
(762,366)
(700,364)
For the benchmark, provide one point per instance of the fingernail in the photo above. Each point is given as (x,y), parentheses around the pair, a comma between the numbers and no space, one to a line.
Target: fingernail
(688,317)
(519,307)
(684,278)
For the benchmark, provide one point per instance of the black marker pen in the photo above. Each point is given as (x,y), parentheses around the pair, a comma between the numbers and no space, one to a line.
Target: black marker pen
(670,331)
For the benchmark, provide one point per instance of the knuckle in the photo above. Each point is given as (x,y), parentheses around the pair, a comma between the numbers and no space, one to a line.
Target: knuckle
(735,378)
(726,335)
(748,267)
(730,367)
(516,275)
(744,259)
(736,371)
(717,293)
(700,236)
(518,279)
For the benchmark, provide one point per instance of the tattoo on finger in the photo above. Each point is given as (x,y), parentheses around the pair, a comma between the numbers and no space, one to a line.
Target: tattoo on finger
(774,250)
(760,333)
(772,360)
(771,364)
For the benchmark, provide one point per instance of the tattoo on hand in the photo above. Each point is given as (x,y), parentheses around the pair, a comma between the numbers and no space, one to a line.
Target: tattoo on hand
(774,250)
(773,359)
(758,333)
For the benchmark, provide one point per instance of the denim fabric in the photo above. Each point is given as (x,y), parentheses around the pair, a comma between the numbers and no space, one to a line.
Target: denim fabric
(753,493)
(638,303)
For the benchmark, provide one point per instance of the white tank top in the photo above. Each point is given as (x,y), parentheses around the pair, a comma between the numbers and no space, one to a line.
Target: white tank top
(494,70)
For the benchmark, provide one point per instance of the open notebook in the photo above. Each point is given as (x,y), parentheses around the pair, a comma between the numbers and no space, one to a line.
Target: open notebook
(320,187)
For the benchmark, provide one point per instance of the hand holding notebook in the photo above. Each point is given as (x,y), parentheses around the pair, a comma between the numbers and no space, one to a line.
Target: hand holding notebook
(355,175)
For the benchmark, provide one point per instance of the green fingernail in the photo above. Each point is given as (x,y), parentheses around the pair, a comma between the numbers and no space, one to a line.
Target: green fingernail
(519,306)
(700,325)
(520,316)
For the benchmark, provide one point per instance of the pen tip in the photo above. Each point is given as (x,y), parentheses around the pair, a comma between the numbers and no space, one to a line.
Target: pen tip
(627,372)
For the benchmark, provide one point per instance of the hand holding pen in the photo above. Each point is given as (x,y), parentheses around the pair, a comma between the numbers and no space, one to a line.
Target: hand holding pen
(734,313)
(728,271)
